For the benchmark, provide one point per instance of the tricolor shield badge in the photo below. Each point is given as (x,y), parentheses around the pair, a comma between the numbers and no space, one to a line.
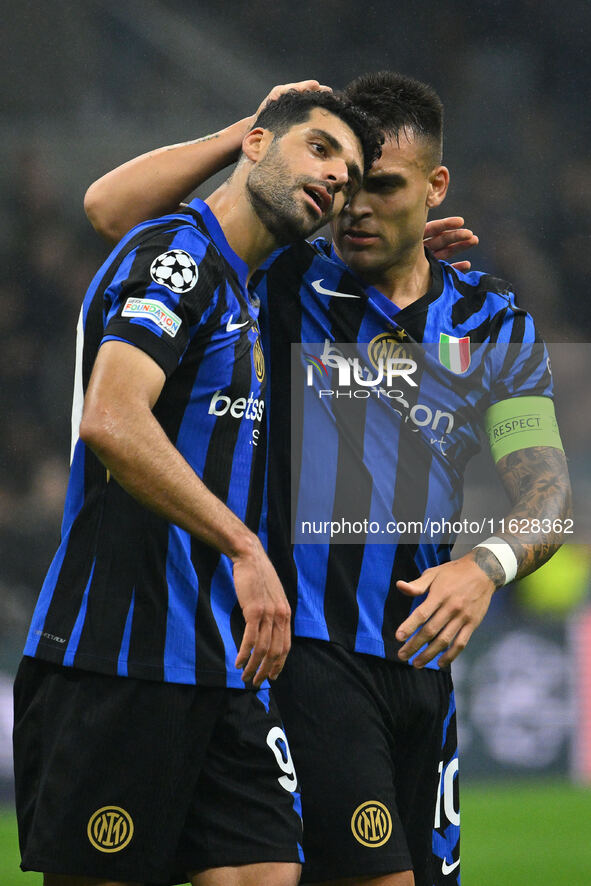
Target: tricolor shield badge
(454,353)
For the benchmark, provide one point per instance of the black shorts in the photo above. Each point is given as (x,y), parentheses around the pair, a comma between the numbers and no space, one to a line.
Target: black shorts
(128,779)
(374,743)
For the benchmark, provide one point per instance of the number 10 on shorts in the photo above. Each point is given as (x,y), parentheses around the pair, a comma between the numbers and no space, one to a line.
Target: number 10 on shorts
(445,788)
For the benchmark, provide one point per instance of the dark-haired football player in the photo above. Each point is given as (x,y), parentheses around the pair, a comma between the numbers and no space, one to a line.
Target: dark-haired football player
(373,738)
(147,745)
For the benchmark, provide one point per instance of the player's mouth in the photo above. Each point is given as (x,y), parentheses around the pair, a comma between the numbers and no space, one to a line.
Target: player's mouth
(320,198)
(359,237)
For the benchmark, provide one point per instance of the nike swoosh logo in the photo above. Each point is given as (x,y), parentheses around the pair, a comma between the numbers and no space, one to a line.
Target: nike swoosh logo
(232,327)
(317,285)
(448,868)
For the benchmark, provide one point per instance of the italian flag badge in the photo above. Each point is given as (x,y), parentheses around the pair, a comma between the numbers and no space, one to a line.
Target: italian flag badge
(454,353)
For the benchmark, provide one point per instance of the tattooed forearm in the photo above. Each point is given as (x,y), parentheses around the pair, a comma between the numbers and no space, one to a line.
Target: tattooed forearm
(490,565)
(538,486)
(207,138)
(195,141)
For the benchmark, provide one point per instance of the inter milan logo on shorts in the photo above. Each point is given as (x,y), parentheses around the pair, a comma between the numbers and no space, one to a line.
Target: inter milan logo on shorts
(110,829)
(371,824)
(388,346)
(176,270)
(259,360)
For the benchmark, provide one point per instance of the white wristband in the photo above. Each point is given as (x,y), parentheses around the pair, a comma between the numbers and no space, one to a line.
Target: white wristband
(503,551)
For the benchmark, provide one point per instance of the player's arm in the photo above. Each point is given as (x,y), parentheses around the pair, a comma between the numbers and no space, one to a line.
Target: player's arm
(154,184)
(538,484)
(119,426)
(459,593)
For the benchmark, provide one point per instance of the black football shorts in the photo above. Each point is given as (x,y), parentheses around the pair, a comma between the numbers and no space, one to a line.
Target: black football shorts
(128,779)
(374,743)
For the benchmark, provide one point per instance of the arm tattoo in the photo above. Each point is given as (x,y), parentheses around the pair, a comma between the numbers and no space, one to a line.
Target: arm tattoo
(197,141)
(537,483)
(208,138)
(490,565)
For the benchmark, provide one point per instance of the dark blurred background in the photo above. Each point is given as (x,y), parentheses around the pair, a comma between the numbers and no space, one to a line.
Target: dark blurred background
(90,83)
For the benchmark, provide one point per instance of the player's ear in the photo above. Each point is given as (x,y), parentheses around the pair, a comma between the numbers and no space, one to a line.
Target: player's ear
(256,142)
(438,185)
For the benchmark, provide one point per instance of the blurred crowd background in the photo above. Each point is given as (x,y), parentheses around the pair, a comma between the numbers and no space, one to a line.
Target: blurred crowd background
(90,84)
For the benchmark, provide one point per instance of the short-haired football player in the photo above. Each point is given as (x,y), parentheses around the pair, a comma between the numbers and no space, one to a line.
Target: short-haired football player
(374,739)
(147,745)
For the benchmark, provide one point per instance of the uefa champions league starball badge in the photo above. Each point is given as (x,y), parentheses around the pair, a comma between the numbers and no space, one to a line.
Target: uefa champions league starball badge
(176,270)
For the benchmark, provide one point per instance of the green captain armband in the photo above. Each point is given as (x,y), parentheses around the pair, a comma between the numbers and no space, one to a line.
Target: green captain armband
(519,423)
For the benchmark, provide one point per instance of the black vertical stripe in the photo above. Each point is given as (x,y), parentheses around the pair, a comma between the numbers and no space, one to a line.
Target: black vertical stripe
(237,625)
(217,470)
(347,315)
(352,502)
(257,480)
(413,462)
(209,645)
(518,328)
(353,483)
(284,281)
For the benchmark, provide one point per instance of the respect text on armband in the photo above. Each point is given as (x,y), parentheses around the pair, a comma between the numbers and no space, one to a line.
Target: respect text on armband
(515,425)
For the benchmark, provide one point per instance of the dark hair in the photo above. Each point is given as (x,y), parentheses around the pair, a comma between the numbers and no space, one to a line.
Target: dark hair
(400,104)
(294,107)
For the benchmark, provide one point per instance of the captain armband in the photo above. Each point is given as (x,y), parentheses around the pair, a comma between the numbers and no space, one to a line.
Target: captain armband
(520,423)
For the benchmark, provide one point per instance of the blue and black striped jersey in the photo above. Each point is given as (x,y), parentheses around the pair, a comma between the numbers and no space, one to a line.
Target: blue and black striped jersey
(384,457)
(128,593)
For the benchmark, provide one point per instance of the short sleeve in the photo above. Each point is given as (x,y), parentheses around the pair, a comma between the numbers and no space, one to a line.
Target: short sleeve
(160,293)
(519,361)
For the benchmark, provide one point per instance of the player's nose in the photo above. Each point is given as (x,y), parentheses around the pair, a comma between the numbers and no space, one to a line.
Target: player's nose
(358,206)
(338,175)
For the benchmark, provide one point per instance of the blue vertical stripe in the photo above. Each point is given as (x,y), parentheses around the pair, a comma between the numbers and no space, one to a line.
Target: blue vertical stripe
(223,601)
(36,629)
(79,623)
(124,650)
(183,591)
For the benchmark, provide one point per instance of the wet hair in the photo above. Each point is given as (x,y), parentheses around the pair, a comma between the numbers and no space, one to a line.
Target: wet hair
(401,105)
(295,107)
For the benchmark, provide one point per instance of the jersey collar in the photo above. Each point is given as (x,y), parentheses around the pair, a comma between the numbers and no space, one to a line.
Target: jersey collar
(435,290)
(219,238)
(418,306)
